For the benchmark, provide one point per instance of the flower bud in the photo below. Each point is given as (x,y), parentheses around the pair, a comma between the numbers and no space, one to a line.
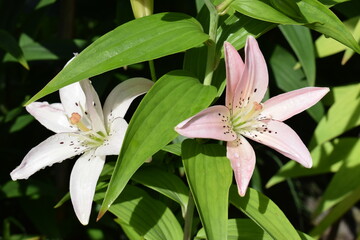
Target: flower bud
(142,8)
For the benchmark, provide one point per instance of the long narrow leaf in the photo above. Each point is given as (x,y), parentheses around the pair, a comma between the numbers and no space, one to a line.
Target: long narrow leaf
(136,41)
(173,98)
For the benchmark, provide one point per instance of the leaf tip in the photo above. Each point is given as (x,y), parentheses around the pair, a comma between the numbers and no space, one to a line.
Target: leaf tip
(102,211)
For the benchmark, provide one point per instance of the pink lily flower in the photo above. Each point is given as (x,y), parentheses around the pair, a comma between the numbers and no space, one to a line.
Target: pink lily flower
(245,116)
(81,126)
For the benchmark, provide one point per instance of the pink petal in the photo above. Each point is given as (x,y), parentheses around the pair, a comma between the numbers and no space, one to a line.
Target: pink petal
(83,180)
(286,105)
(113,142)
(283,139)
(52,116)
(93,106)
(255,79)
(120,98)
(55,149)
(234,70)
(242,157)
(212,122)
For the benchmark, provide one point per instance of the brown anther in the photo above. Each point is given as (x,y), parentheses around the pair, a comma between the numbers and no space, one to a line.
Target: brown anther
(75,118)
(257,106)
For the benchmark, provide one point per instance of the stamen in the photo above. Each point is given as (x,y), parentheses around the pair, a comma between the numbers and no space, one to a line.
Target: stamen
(75,119)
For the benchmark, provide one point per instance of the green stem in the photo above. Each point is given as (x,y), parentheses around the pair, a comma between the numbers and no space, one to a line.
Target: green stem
(189,217)
(222,7)
(152,70)
(210,62)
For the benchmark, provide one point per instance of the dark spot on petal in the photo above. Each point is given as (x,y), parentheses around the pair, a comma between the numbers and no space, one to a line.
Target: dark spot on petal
(86,113)
(255,89)
(76,104)
(61,142)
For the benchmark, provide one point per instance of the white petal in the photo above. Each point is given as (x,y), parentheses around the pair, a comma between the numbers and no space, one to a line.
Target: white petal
(93,106)
(73,99)
(54,149)
(113,142)
(120,98)
(83,179)
(52,116)
(283,139)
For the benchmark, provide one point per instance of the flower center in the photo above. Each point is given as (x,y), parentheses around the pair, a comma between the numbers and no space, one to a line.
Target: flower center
(246,118)
(75,119)
(90,137)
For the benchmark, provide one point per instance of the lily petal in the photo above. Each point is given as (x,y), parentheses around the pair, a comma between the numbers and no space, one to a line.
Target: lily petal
(255,79)
(53,150)
(212,122)
(242,157)
(120,98)
(73,99)
(52,116)
(286,105)
(113,142)
(93,106)
(234,70)
(283,139)
(83,179)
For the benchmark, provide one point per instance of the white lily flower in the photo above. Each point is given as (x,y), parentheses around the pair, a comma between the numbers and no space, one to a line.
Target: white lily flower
(81,126)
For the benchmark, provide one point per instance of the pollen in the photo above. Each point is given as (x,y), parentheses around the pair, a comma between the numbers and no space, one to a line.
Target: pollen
(75,118)
(257,106)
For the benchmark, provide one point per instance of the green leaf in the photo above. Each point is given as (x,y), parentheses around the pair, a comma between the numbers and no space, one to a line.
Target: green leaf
(314,15)
(150,218)
(173,148)
(241,229)
(342,115)
(343,183)
(323,20)
(136,41)
(21,122)
(49,50)
(265,213)
(288,78)
(173,98)
(300,40)
(338,211)
(327,157)
(209,175)
(165,183)
(10,45)
(327,46)
(261,10)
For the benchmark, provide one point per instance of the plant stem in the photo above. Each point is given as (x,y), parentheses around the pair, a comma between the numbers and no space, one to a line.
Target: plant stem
(210,62)
(189,217)
(222,7)
(152,70)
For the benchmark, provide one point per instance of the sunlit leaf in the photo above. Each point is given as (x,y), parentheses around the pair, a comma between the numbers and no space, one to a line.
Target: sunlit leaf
(150,218)
(342,115)
(300,40)
(165,183)
(173,98)
(264,212)
(288,79)
(327,157)
(241,229)
(209,175)
(338,211)
(136,41)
